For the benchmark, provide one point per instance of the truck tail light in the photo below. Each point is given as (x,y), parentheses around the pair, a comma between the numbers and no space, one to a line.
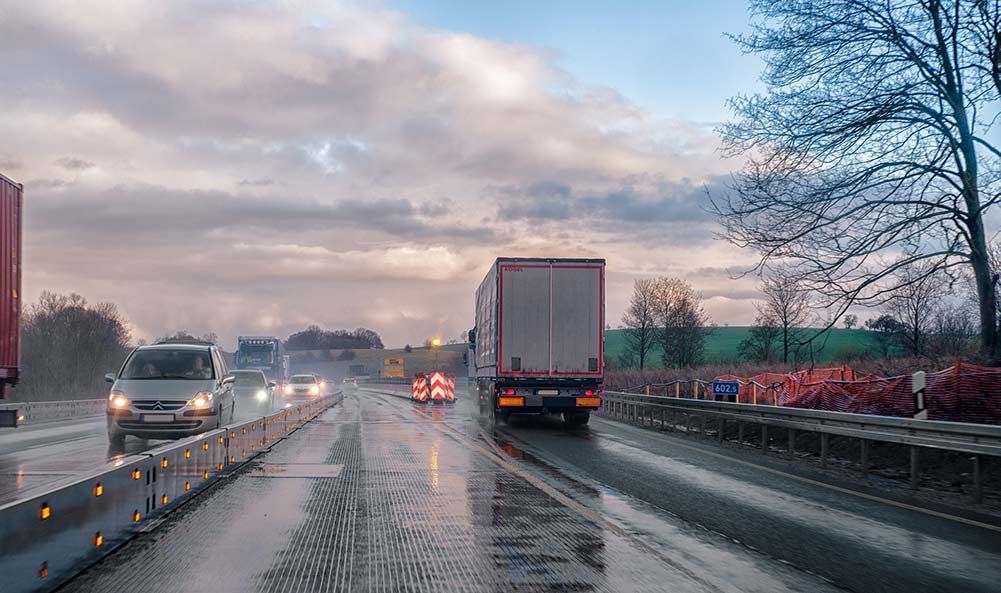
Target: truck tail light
(589,392)
(511,402)
(509,392)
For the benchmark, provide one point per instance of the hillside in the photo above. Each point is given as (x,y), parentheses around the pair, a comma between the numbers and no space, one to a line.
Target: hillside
(722,344)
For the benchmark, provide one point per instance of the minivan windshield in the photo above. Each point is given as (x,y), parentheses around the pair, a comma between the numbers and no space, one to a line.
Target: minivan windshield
(249,378)
(303,379)
(166,363)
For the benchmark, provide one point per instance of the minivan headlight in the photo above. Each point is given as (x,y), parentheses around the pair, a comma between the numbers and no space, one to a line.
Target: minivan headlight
(262,395)
(314,390)
(202,399)
(117,400)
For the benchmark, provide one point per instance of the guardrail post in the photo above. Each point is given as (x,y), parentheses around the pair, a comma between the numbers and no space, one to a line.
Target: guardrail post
(915,475)
(764,439)
(677,391)
(740,433)
(864,457)
(702,426)
(978,480)
(792,443)
(825,443)
(754,393)
(647,389)
(695,390)
(688,423)
(722,429)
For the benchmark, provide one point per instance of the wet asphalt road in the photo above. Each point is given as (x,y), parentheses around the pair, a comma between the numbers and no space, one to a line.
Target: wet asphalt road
(43,455)
(856,543)
(379,494)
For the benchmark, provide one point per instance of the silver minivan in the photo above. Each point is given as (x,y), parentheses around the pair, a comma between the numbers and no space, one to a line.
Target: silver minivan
(169,390)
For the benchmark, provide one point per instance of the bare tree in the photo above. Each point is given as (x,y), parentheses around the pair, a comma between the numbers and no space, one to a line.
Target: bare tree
(875,139)
(787,305)
(915,304)
(850,320)
(762,341)
(685,324)
(640,321)
(67,347)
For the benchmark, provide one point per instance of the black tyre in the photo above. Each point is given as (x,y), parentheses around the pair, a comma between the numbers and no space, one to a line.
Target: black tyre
(576,418)
(116,440)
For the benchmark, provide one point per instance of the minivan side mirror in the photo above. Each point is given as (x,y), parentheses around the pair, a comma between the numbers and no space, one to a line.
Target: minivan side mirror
(229,380)
(272,385)
(110,377)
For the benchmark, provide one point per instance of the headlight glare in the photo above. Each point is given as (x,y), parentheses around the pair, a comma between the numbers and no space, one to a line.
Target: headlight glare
(118,400)
(202,399)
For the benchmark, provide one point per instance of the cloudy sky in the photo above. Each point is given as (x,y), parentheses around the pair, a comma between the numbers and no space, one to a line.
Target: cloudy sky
(257,166)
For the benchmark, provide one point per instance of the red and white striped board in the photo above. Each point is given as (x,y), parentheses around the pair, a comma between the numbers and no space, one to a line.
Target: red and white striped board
(439,387)
(450,382)
(419,391)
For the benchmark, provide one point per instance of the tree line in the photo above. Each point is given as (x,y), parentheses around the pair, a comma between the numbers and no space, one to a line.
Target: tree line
(68,344)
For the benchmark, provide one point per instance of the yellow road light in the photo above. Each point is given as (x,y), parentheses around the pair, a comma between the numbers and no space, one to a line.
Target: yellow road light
(98,490)
(187,486)
(205,446)
(164,499)
(43,572)
(136,516)
(45,512)
(98,539)
(164,463)
(435,342)
(187,454)
(205,475)
(136,474)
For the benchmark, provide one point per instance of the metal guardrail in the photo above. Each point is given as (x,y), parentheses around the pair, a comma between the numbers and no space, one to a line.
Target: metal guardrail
(36,412)
(671,413)
(48,535)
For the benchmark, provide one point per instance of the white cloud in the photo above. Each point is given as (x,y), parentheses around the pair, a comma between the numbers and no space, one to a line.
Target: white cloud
(324,162)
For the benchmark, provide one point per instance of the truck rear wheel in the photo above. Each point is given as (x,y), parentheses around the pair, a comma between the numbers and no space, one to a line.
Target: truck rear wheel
(576,418)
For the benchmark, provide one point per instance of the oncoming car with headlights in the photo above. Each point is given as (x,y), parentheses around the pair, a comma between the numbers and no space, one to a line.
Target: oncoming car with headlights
(169,390)
(253,390)
(303,387)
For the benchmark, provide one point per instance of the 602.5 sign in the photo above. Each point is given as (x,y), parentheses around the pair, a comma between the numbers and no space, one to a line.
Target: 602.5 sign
(726,387)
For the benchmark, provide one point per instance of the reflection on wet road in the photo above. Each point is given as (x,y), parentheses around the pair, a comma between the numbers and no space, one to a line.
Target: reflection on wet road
(408,498)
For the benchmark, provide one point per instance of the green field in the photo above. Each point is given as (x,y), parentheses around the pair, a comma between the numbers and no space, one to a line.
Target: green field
(722,344)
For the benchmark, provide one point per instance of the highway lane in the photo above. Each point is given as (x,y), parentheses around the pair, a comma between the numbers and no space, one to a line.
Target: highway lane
(653,482)
(857,543)
(42,455)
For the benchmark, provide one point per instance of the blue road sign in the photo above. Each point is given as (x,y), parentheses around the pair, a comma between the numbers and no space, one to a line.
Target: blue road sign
(726,387)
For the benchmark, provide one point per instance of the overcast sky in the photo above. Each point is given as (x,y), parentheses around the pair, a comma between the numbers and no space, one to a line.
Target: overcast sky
(255,167)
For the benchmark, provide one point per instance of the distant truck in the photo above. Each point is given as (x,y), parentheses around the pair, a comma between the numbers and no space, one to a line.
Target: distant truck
(11,207)
(538,343)
(264,353)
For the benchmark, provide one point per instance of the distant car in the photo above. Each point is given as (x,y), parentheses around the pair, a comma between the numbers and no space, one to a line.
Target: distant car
(169,390)
(253,390)
(350,381)
(303,387)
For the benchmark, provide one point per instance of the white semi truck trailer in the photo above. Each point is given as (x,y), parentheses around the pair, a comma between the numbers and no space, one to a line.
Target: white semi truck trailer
(538,343)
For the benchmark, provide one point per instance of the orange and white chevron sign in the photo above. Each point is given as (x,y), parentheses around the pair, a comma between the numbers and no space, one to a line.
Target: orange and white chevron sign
(420,388)
(439,386)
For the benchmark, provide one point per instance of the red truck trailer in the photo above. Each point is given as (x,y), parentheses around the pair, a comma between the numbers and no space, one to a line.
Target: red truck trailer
(11,206)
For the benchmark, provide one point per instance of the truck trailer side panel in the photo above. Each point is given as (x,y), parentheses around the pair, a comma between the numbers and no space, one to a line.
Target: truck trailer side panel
(11,207)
